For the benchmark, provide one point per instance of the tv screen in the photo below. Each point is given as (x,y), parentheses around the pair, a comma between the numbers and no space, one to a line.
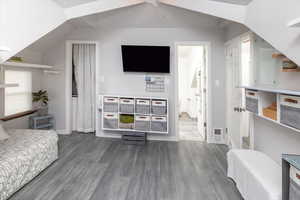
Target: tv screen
(146,58)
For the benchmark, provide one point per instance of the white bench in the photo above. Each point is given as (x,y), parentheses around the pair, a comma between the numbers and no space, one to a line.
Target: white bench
(257,176)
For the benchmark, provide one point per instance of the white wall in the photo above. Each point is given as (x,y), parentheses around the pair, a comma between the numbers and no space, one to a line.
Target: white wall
(23,22)
(274,140)
(118,82)
(234,30)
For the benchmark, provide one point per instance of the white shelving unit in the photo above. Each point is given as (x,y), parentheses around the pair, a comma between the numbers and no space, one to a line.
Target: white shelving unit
(289,100)
(135,113)
(273,90)
(9,85)
(27,65)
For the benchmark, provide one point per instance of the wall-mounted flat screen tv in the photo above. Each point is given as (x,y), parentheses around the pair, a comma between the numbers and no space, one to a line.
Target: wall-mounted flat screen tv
(152,59)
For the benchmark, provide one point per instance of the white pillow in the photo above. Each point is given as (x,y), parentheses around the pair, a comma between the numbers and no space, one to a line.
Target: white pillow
(3,134)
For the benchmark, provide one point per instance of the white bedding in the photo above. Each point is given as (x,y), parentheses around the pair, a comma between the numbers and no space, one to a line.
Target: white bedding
(257,176)
(23,156)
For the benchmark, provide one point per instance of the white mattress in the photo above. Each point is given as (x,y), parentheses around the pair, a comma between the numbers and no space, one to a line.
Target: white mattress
(23,156)
(257,176)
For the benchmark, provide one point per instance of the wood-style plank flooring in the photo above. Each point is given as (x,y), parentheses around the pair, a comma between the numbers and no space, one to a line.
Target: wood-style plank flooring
(91,168)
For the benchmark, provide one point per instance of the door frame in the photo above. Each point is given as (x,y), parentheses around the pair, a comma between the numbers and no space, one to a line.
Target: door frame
(208,87)
(68,82)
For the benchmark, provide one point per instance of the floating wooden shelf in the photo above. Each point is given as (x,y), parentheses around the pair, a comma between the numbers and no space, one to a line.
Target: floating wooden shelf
(18,115)
(27,65)
(278,55)
(291,70)
(287,60)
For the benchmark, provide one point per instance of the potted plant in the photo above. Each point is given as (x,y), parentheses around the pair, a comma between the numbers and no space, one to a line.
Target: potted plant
(41,99)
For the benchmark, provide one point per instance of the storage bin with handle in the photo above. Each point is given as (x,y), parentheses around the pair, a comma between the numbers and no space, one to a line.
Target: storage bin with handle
(110,120)
(252,101)
(159,124)
(111,104)
(126,105)
(159,107)
(142,106)
(290,110)
(142,123)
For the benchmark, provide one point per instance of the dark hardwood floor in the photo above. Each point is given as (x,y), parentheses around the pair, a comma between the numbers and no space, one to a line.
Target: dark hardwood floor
(91,168)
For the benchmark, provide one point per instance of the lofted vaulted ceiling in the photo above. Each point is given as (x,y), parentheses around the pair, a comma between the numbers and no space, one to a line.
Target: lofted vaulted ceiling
(238,2)
(52,14)
(139,16)
(148,16)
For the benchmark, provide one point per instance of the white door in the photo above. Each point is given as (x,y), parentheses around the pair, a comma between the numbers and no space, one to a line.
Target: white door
(234,95)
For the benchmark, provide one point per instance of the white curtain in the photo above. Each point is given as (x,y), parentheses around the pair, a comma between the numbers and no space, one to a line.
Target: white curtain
(84,58)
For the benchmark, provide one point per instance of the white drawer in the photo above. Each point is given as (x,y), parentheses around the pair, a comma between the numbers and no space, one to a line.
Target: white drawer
(111,100)
(143,102)
(252,94)
(126,101)
(159,119)
(292,101)
(295,175)
(159,103)
(110,115)
(142,118)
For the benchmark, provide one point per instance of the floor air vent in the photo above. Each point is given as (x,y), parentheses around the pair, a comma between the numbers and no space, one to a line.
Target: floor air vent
(218,135)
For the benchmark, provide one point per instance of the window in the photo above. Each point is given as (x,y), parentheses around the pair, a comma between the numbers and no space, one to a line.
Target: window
(18,99)
(246,59)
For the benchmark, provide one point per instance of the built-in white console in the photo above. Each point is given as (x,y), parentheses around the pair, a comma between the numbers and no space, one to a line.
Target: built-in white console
(136,114)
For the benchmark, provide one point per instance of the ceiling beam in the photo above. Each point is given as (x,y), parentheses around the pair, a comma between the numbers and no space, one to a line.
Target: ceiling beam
(227,11)
(98,7)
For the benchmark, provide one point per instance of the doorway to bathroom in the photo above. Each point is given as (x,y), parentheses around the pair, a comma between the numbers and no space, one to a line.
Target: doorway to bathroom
(192,91)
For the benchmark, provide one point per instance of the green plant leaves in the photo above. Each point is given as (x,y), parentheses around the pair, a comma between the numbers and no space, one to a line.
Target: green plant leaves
(40,96)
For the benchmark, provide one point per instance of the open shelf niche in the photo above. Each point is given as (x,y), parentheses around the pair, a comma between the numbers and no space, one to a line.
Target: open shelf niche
(287,64)
(135,114)
(276,105)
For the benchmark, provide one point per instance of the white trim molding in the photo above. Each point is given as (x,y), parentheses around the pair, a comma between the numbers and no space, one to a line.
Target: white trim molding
(209,86)
(68,81)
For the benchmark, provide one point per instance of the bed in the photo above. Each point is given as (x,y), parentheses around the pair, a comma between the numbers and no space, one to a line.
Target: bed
(23,156)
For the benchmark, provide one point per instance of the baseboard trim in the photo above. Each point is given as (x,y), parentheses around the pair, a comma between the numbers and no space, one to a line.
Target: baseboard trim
(116,136)
(162,138)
